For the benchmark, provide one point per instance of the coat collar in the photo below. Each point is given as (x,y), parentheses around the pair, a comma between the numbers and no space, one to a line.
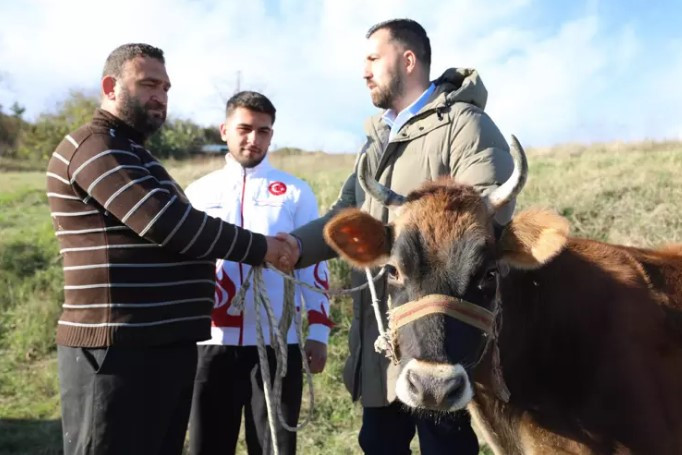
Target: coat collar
(233,168)
(106,119)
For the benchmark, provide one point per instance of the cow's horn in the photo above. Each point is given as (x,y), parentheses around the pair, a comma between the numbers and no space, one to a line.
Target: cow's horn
(375,189)
(513,186)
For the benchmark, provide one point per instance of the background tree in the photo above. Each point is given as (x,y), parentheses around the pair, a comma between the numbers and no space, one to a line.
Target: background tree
(11,127)
(39,139)
(17,109)
(35,142)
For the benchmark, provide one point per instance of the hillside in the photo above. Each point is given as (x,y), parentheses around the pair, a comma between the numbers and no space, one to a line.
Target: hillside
(623,193)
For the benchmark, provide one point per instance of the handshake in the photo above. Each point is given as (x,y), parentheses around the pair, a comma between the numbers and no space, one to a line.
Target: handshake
(283,251)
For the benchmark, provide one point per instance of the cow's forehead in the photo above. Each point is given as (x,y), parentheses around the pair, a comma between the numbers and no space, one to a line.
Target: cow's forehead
(442,212)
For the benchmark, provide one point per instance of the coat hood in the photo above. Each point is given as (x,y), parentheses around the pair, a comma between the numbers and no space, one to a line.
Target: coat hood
(460,85)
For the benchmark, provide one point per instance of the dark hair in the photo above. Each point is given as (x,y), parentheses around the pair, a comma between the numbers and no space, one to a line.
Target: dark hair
(126,52)
(408,33)
(253,101)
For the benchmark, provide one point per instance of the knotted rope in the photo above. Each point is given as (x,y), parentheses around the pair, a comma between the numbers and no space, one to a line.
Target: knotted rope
(278,332)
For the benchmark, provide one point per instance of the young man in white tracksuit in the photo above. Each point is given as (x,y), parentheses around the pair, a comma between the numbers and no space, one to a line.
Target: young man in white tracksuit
(252,194)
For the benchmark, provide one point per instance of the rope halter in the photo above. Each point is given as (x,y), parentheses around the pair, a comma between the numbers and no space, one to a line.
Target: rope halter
(461,310)
(453,307)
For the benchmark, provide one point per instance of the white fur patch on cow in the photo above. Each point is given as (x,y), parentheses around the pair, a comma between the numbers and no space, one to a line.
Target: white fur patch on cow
(533,238)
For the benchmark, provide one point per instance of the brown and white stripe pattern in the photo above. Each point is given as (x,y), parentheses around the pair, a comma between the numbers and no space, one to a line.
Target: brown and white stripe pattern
(138,259)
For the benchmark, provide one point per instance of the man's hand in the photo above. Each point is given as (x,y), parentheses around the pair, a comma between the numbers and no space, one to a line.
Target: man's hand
(293,244)
(281,254)
(316,353)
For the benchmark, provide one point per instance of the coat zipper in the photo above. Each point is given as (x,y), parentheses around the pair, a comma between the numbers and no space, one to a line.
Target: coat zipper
(241,266)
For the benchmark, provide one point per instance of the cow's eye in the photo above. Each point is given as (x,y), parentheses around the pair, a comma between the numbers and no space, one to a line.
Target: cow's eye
(489,279)
(394,276)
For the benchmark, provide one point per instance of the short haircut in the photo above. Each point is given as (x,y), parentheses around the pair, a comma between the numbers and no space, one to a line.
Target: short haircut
(127,52)
(253,101)
(408,33)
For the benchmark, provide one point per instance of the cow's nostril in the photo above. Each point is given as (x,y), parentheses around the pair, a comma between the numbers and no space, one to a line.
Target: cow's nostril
(420,387)
(455,388)
(414,384)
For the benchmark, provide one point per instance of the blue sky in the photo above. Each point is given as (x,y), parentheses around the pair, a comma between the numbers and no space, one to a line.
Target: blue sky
(556,72)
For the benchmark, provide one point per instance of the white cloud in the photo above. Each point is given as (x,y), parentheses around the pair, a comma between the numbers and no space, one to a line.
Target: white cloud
(545,85)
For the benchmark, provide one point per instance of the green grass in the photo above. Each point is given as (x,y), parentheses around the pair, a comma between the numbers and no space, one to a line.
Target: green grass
(614,192)
(30,292)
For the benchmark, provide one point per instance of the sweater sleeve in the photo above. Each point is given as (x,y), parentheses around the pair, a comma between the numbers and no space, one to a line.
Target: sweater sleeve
(123,186)
(313,247)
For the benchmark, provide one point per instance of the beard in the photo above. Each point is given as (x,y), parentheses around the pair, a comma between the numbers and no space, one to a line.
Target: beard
(384,96)
(248,161)
(138,116)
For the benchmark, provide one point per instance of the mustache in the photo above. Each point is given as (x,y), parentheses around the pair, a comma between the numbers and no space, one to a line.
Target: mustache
(152,104)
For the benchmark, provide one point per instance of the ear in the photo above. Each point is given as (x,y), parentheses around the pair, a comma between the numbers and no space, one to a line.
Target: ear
(410,61)
(223,131)
(108,87)
(532,239)
(359,238)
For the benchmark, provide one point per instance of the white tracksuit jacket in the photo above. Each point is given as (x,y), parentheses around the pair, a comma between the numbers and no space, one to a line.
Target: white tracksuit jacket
(264,200)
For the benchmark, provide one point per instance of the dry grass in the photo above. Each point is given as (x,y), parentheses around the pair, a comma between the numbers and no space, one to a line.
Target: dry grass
(630,196)
(323,172)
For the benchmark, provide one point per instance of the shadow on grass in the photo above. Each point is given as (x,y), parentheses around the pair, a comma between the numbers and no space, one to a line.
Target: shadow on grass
(30,437)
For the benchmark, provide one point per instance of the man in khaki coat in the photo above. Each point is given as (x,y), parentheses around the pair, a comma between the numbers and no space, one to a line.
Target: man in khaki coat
(427,130)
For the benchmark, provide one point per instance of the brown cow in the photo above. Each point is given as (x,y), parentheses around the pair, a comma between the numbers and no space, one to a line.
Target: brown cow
(589,334)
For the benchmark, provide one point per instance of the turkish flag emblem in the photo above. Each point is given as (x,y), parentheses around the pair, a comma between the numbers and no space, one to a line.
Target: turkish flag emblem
(277,188)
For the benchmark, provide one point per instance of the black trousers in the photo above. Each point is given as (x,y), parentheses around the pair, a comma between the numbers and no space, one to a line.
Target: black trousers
(126,400)
(389,431)
(228,380)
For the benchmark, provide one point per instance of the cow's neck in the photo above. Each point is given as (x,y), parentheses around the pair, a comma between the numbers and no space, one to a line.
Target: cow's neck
(571,332)
(512,427)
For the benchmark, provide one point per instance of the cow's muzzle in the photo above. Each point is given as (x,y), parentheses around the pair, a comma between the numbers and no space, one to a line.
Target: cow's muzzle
(435,386)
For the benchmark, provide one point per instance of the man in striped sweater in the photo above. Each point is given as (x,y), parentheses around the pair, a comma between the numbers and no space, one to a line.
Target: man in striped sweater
(138,270)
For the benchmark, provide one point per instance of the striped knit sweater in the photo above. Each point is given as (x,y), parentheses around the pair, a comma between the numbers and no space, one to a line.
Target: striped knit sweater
(139,261)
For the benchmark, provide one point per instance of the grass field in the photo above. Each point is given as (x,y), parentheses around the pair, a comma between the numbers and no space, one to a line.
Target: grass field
(624,193)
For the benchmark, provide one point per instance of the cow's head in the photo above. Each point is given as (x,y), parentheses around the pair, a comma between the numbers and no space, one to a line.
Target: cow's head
(446,260)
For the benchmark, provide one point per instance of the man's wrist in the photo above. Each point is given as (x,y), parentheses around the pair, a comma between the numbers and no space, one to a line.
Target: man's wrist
(318,332)
(300,248)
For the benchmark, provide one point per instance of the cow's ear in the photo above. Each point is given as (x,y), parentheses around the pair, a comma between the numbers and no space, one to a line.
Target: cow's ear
(359,238)
(532,239)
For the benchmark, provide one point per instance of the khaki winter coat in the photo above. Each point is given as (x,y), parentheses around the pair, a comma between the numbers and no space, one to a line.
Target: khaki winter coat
(450,135)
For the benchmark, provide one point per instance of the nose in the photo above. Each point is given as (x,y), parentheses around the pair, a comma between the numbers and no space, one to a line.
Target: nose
(160,97)
(434,386)
(366,73)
